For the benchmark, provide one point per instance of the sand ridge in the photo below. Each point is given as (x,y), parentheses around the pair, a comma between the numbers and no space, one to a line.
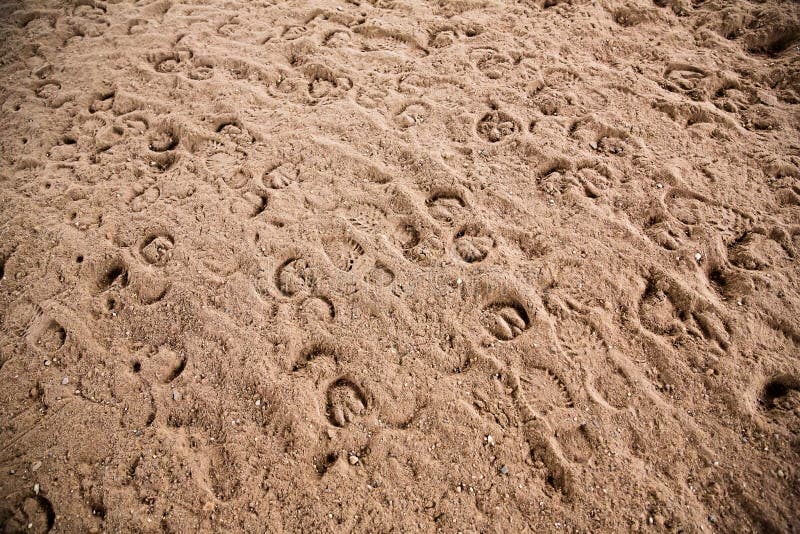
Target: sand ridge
(451,265)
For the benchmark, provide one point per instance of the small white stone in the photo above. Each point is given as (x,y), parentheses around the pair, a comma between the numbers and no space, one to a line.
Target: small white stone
(36,488)
(353,459)
(698,256)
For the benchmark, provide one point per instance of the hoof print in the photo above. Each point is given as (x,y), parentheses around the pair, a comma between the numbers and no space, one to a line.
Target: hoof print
(294,276)
(472,244)
(345,402)
(505,321)
(156,249)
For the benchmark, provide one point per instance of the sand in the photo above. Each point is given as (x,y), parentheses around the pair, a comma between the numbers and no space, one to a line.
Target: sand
(446,265)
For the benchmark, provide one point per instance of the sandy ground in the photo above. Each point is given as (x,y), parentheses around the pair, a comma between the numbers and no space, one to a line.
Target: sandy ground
(445,265)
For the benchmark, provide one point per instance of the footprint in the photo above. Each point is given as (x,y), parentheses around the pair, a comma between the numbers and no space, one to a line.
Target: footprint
(548,458)
(103,102)
(776,36)
(324,463)
(661,229)
(244,71)
(575,442)
(163,141)
(377,175)
(601,137)
(442,38)
(222,473)
(254,204)
(367,218)
(545,390)
(688,207)
(686,79)
(445,206)
(290,33)
(230,166)
(324,83)
(628,17)
(492,63)
(345,401)
(33,514)
(581,342)
(412,114)
(46,334)
(344,253)
(505,321)
(156,249)
(166,62)
(380,275)
(667,309)
(610,383)
(780,395)
(318,308)
(167,365)
(377,39)
(47,90)
(496,125)
(315,355)
(472,244)
(337,39)
(285,84)
(200,71)
(235,131)
(293,276)
(281,176)
(755,251)
(657,313)
(113,274)
(373,220)
(404,235)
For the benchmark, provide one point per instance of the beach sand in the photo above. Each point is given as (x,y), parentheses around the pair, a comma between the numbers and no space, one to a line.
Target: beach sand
(396,266)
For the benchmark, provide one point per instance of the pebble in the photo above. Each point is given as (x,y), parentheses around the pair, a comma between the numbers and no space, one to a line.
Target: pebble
(47,363)
(698,256)
(36,488)
(176,395)
(504,469)
(65,381)
(490,440)
(36,466)
(353,459)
